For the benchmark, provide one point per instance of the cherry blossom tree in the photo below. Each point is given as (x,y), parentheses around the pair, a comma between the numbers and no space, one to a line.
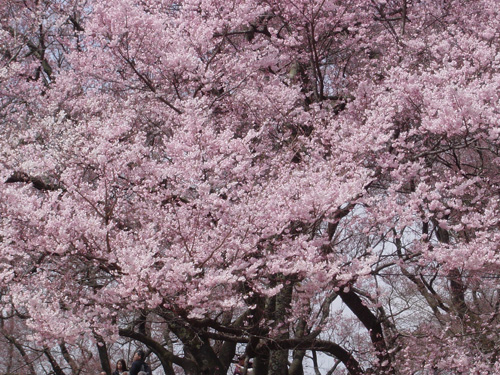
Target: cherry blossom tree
(272,179)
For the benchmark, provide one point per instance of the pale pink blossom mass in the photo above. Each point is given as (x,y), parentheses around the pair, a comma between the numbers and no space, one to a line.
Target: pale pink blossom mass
(306,186)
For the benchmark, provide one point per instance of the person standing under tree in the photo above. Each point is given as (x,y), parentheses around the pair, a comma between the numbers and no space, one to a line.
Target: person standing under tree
(139,367)
(121,367)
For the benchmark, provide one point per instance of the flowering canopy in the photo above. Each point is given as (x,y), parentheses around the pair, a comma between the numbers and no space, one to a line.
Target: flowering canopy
(224,171)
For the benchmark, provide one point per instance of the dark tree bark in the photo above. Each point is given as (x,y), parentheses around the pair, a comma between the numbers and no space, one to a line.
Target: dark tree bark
(373,325)
(278,361)
(103,355)
(53,363)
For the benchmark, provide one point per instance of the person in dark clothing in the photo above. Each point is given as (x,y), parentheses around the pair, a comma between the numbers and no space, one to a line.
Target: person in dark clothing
(138,364)
(121,367)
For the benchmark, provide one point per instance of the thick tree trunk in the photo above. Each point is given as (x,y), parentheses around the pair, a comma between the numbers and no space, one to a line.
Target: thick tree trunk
(296,367)
(103,355)
(261,362)
(200,350)
(278,361)
(372,324)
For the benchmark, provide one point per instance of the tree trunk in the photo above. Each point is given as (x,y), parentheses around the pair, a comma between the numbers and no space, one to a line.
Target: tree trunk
(278,362)
(103,355)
